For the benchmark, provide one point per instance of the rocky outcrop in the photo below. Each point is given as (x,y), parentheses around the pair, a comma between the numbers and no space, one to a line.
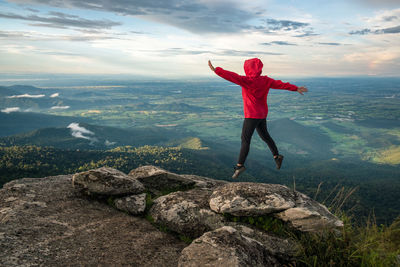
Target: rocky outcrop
(133,204)
(186,212)
(106,181)
(49,222)
(254,199)
(309,216)
(250,199)
(226,247)
(46,222)
(283,249)
(157,180)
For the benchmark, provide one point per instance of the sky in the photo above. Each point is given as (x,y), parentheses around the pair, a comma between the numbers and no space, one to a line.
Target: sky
(176,38)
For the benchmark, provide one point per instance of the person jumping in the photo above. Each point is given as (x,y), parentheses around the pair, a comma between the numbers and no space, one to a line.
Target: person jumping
(255,88)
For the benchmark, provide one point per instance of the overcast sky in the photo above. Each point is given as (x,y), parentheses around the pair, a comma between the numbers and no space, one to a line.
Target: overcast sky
(176,38)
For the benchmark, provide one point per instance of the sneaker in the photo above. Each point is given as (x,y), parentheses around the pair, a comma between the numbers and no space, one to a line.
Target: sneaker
(278,161)
(238,171)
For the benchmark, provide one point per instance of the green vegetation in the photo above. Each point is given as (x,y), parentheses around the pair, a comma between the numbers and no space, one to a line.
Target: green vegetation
(370,245)
(266,223)
(33,161)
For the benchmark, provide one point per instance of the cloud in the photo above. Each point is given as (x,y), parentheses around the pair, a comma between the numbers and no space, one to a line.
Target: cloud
(55,95)
(62,21)
(108,143)
(307,34)
(9,110)
(391,30)
(224,52)
(278,43)
(379,3)
(285,25)
(198,16)
(330,43)
(25,96)
(379,31)
(80,132)
(60,107)
(36,36)
(390,18)
(245,53)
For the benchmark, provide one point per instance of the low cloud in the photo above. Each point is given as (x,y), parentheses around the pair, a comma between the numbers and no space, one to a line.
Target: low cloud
(224,52)
(285,25)
(331,43)
(9,110)
(60,107)
(25,96)
(307,34)
(245,53)
(81,132)
(379,31)
(62,21)
(278,43)
(108,143)
(35,36)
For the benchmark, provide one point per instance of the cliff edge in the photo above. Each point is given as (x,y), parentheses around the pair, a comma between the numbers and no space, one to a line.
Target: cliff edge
(151,217)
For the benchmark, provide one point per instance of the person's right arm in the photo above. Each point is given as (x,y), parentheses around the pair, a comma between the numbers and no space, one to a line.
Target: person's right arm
(227,75)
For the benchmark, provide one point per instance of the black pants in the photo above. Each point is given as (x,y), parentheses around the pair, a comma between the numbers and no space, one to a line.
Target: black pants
(247,132)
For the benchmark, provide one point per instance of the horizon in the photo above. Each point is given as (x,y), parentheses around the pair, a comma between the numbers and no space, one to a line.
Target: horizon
(175,39)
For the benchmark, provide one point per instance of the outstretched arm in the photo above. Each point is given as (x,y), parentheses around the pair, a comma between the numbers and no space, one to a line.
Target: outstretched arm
(227,75)
(211,66)
(302,90)
(278,84)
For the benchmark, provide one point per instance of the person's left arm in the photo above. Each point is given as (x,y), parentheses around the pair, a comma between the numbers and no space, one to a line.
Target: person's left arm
(278,84)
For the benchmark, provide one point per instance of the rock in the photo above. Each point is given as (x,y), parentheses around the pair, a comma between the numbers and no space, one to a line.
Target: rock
(285,250)
(204,182)
(134,204)
(309,215)
(106,181)
(71,229)
(157,180)
(228,247)
(248,199)
(186,212)
(253,199)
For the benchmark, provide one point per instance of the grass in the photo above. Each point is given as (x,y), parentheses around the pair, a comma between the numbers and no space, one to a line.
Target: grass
(365,244)
(369,245)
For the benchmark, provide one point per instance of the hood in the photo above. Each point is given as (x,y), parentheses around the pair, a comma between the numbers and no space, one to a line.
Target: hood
(253,67)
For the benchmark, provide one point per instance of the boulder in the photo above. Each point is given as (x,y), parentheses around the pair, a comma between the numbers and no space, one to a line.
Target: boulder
(228,247)
(186,212)
(249,199)
(284,249)
(309,215)
(157,180)
(254,199)
(134,204)
(106,181)
(204,182)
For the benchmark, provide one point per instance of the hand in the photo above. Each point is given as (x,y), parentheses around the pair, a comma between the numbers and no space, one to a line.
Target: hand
(302,90)
(211,66)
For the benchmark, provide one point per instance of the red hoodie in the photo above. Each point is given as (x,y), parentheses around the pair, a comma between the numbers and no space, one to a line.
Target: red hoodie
(255,87)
